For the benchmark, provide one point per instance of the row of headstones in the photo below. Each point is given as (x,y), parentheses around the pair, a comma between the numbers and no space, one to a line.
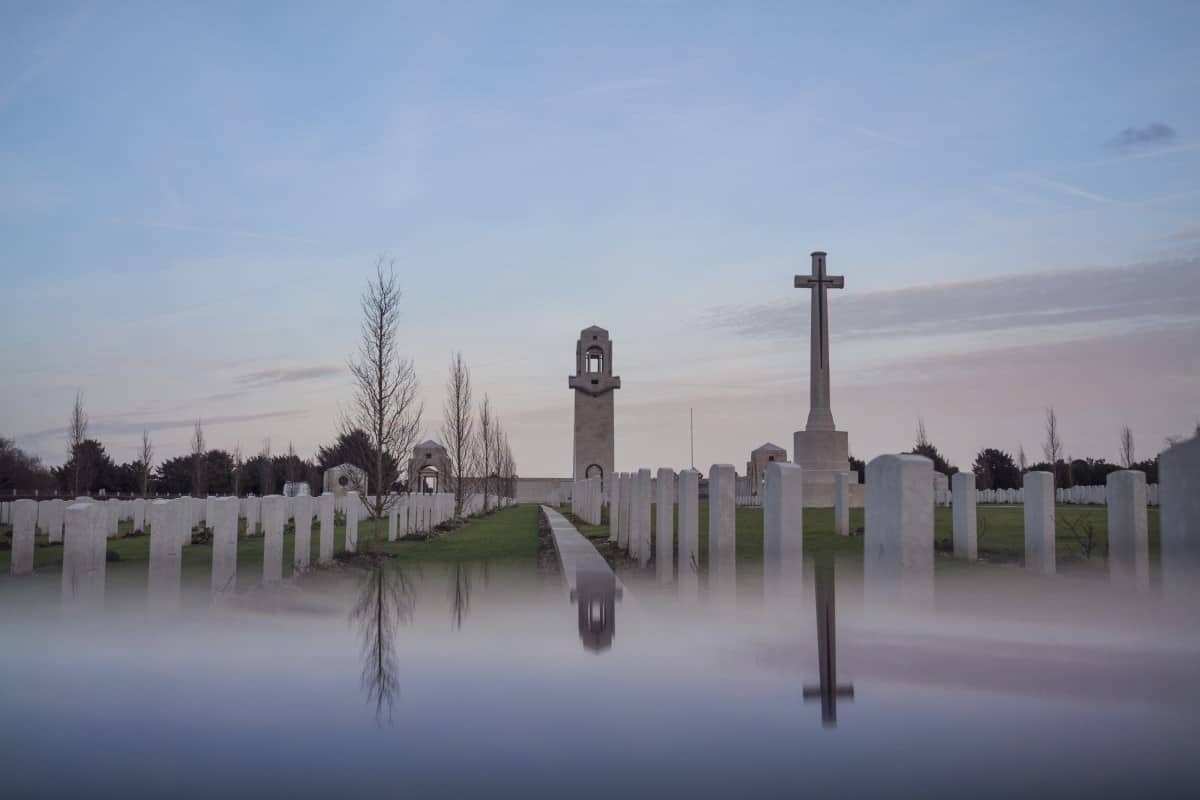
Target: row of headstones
(172,521)
(587,500)
(899,518)
(749,501)
(1073,495)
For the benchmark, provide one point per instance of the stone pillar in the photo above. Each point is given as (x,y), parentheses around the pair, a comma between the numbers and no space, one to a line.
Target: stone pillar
(664,545)
(898,541)
(166,556)
(85,550)
(1128,529)
(689,533)
(1179,516)
(1039,522)
(272,522)
(722,535)
(614,508)
(302,514)
(783,528)
(224,544)
(962,485)
(645,499)
(352,509)
(841,503)
(325,505)
(24,521)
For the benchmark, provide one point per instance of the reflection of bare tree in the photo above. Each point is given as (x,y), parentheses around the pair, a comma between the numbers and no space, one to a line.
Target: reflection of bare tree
(386,599)
(460,593)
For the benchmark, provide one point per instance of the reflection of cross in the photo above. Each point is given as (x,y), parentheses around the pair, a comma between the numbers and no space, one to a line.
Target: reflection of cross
(820,283)
(828,691)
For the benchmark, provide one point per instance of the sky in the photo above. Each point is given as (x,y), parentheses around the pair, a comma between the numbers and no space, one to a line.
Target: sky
(193,196)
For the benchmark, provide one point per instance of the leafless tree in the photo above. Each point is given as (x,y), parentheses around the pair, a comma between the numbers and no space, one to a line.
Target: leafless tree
(237,470)
(1126,447)
(922,438)
(1052,447)
(198,467)
(146,461)
(385,403)
(1082,528)
(458,428)
(499,442)
(289,465)
(77,430)
(1022,461)
(266,472)
(485,437)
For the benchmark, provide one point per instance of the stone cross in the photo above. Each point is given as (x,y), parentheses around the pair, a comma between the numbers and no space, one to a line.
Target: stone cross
(820,418)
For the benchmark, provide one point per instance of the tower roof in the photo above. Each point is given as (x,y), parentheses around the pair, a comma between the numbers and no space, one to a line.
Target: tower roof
(768,446)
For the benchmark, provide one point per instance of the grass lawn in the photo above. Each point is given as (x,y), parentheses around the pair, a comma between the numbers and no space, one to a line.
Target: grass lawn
(1000,529)
(510,534)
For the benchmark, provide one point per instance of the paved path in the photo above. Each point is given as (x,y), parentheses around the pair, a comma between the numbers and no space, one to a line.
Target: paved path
(577,558)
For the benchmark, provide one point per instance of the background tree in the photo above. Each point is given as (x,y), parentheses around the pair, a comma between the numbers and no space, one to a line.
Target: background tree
(1127,459)
(199,473)
(174,475)
(385,403)
(22,471)
(458,428)
(859,466)
(266,470)
(237,470)
(98,474)
(485,433)
(995,469)
(145,462)
(1052,447)
(77,430)
(354,448)
(1022,461)
(923,447)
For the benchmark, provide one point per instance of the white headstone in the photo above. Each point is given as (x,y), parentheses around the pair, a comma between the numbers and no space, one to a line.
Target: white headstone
(689,533)
(302,515)
(224,543)
(1128,529)
(24,521)
(1039,522)
(722,534)
(1179,518)
(626,508)
(841,503)
(664,544)
(166,556)
(325,507)
(898,543)
(783,529)
(353,505)
(614,507)
(272,521)
(85,550)
(645,499)
(966,541)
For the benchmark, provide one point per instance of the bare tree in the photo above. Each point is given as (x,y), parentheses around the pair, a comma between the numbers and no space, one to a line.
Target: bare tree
(1022,461)
(385,403)
(289,465)
(922,438)
(485,441)
(77,429)
(199,471)
(1126,447)
(458,428)
(1052,447)
(146,461)
(266,472)
(499,442)
(237,470)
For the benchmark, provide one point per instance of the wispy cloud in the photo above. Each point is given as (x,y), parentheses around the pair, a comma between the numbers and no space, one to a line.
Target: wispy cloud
(270,377)
(1156,133)
(1074,191)
(1155,293)
(1187,234)
(122,424)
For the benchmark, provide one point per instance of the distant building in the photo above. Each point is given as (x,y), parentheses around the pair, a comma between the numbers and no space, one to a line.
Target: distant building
(429,469)
(756,467)
(345,478)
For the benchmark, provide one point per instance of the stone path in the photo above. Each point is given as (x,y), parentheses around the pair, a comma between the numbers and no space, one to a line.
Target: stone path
(577,558)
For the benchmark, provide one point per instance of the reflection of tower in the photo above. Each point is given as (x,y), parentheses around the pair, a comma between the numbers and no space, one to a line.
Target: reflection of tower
(593,383)
(596,601)
(828,691)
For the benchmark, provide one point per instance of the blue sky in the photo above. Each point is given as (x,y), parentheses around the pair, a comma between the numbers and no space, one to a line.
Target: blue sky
(192,196)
